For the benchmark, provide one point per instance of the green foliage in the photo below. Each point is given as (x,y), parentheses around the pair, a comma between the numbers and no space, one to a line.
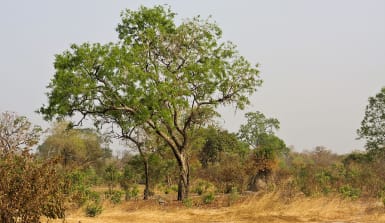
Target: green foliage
(115,196)
(112,176)
(94,196)
(350,192)
(373,125)
(169,78)
(75,148)
(324,179)
(132,193)
(318,172)
(203,186)
(187,202)
(208,198)
(94,209)
(94,206)
(217,144)
(133,171)
(257,125)
(79,188)
(258,133)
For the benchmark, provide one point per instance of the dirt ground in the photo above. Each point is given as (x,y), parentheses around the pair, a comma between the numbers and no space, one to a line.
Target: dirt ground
(255,208)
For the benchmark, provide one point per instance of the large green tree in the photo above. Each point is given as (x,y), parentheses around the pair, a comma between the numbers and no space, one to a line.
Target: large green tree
(166,76)
(373,125)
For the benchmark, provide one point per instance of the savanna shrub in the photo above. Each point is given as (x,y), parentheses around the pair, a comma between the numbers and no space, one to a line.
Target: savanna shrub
(132,193)
(93,209)
(203,186)
(208,198)
(29,189)
(115,196)
(187,202)
(350,192)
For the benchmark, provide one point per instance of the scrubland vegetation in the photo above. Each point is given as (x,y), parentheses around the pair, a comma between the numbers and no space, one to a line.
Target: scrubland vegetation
(156,91)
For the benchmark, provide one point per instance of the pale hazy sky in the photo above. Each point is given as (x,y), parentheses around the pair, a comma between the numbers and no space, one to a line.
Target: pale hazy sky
(320,60)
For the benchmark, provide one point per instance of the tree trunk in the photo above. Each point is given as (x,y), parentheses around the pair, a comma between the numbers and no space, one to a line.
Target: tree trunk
(184,178)
(146,192)
(253,183)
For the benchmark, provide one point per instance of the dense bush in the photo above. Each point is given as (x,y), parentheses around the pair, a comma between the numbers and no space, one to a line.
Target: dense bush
(208,198)
(132,193)
(29,189)
(203,186)
(350,192)
(115,196)
(187,202)
(93,209)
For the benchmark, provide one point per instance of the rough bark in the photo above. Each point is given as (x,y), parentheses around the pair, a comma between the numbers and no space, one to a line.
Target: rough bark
(184,178)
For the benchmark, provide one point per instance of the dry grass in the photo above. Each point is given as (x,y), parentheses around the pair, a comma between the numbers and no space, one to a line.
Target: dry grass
(257,208)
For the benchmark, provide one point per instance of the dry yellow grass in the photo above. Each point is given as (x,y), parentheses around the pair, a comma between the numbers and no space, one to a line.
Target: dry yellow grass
(261,208)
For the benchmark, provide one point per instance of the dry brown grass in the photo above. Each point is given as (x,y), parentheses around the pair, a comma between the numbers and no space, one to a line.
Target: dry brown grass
(257,208)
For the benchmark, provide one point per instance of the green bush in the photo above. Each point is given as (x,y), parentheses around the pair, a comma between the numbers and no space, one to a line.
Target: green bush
(199,190)
(209,198)
(323,179)
(80,188)
(93,209)
(93,196)
(202,187)
(132,193)
(115,196)
(187,202)
(350,192)
(174,188)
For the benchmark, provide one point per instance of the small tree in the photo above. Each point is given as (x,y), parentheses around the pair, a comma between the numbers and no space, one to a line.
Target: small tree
(373,125)
(258,133)
(17,133)
(111,176)
(256,127)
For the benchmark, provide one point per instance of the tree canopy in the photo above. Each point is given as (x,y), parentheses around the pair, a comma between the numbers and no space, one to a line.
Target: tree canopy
(373,125)
(166,76)
(17,133)
(74,147)
(256,127)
